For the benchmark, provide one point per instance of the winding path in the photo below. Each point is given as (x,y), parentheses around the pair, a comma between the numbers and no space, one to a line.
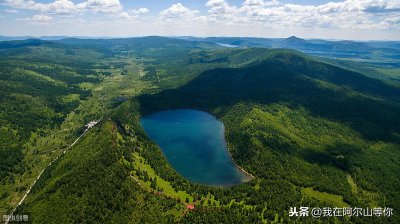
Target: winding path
(88,126)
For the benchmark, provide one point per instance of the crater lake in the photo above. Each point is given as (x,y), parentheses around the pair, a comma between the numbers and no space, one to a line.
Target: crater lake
(194,144)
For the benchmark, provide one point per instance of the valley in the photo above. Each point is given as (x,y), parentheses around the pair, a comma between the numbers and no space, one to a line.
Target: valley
(313,131)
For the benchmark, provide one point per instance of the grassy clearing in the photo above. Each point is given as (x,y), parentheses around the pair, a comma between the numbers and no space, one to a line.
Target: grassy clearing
(166,186)
(368,197)
(71,97)
(86,85)
(167,189)
(335,200)
(352,184)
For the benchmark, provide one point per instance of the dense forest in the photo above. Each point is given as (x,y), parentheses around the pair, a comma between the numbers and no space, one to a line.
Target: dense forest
(313,133)
(302,124)
(35,96)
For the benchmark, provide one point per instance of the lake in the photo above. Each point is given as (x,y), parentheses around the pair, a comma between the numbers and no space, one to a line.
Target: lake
(194,144)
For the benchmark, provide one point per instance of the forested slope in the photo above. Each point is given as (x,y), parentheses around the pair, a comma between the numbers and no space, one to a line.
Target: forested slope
(312,134)
(91,184)
(38,90)
(297,123)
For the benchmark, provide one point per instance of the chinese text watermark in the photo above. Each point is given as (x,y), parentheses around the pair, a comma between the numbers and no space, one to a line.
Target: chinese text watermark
(15,218)
(339,212)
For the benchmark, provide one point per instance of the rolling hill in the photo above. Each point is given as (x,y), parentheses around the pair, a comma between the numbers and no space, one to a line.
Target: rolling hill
(312,133)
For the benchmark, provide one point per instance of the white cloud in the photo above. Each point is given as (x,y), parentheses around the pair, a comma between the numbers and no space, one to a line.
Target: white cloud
(391,23)
(360,5)
(39,19)
(58,7)
(260,3)
(252,17)
(67,6)
(22,4)
(13,11)
(348,14)
(134,13)
(138,11)
(253,2)
(178,11)
(211,3)
(102,6)
(220,7)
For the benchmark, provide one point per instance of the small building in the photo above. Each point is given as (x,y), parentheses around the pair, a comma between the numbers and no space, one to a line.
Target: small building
(91,124)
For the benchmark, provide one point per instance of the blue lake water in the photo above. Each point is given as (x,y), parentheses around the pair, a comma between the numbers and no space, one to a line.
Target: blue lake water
(194,144)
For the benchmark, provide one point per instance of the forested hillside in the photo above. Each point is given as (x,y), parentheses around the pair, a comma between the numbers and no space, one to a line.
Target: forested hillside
(38,90)
(49,91)
(312,133)
(302,124)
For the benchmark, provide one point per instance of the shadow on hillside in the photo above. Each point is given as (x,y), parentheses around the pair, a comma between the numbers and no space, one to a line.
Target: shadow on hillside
(338,155)
(217,90)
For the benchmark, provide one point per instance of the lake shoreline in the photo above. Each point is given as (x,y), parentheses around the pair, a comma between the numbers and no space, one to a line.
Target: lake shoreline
(206,133)
(230,155)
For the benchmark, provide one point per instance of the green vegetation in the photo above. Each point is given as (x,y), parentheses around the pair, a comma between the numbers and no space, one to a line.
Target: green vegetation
(34,102)
(295,123)
(147,178)
(46,98)
(313,134)
(89,185)
(332,199)
(388,74)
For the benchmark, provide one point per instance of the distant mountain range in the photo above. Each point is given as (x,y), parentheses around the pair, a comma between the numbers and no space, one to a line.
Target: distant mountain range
(383,53)
(10,38)
(293,41)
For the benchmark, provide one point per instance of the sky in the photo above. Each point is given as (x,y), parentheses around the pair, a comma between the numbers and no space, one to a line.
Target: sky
(323,19)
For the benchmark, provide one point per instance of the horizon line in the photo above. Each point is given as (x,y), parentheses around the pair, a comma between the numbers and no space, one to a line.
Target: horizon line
(181,36)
